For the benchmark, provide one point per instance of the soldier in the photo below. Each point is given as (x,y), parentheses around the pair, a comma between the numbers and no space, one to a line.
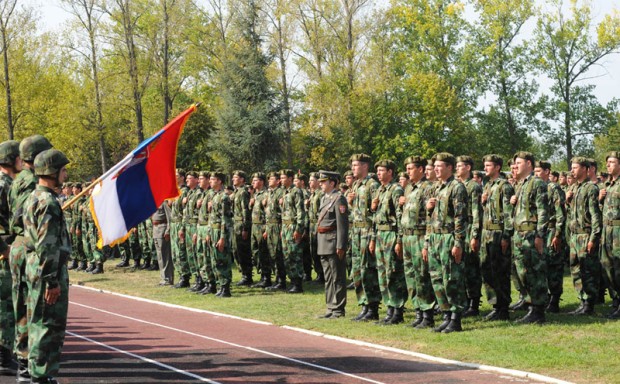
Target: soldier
(349,180)
(478,177)
(241,233)
(530,221)
(495,252)
(179,253)
(585,232)
(97,257)
(10,166)
(300,181)
(364,265)
(293,222)
(610,257)
(413,230)
(260,254)
(471,257)
(403,180)
(273,229)
(203,230)
(386,242)
(161,236)
(429,171)
(219,238)
(332,239)
(444,243)
(314,201)
(190,220)
(555,236)
(48,250)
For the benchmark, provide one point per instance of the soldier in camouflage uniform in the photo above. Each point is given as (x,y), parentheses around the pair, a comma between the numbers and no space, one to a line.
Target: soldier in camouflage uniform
(219,239)
(22,187)
(530,224)
(403,180)
(75,230)
(10,166)
(273,229)
(413,230)
(177,233)
(610,239)
(300,182)
(495,251)
(48,249)
(555,236)
(260,253)
(349,180)
(145,243)
(364,265)
(446,232)
(312,205)
(585,229)
(89,228)
(203,250)
(293,224)
(471,257)
(386,242)
(190,222)
(242,225)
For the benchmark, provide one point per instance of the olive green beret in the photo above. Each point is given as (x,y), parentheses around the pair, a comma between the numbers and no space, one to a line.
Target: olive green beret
(348,173)
(525,156)
(239,173)
(287,172)
(302,177)
(465,159)
(327,175)
(404,174)
(493,158)
(416,160)
(593,163)
(581,161)
(314,175)
(77,185)
(206,174)
(192,173)
(614,154)
(273,174)
(543,164)
(259,175)
(181,172)
(361,157)
(446,157)
(68,184)
(219,175)
(563,173)
(389,164)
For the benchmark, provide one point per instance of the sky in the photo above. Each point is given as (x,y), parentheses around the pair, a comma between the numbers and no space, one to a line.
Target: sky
(605,77)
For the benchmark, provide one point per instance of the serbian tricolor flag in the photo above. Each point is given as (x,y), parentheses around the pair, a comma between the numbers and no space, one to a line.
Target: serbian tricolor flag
(132,190)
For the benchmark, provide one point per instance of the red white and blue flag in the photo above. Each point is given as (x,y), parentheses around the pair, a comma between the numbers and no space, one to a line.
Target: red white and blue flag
(132,190)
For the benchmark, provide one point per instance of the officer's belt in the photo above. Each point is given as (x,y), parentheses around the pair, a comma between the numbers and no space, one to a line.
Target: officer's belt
(192,221)
(584,231)
(361,224)
(442,231)
(385,227)
(201,222)
(157,222)
(493,227)
(175,220)
(612,223)
(238,220)
(525,227)
(414,231)
(258,222)
(326,229)
(273,221)
(287,222)
(216,225)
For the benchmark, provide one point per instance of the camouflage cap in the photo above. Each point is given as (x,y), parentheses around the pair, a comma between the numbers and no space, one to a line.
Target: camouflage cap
(77,185)
(493,158)
(287,172)
(389,164)
(465,159)
(206,174)
(240,173)
(192,173)
(348,174)
(418,161)
(314,175)
(31,146)
(543,164)
(273,174)
(581,161)
(87,184)
(328,175)
(181,172)
(219,175)
(525,156)
(49,162)
(593,162)
(259,175)
(68,184)
(563,173)
(446,157)
(301,176)
(403,174)
(361,157)
(614,154)
(9,150)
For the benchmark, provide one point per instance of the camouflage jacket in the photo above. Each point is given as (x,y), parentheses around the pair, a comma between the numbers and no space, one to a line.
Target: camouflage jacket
(474,209)
(314,202)
(176,207)
(388,214)
(293,210)
(557,209)
(25,182)
(257,206)
(190,209)
(497,208)
(203,210)
(47,239)
(611,204)
(220,214)
(273,212)
(531,211)
(364,190)
(450,212)
(585,212)
(5,211)
(414,209)
(241,208)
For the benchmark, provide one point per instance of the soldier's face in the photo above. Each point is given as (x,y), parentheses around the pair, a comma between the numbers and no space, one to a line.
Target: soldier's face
(286,181)
(76,190)
(215,182)
(273,182)
(359,169)
(238,180)
(63,175)
(384,174)
(443,171)
(191,181)
(415,173)
(491,169)
(257,183)
(429,171)
(297,183)
(579,172)
(522,167)
(203,182)
(349,180)
(313,183)
(179,178)
(562,180)
(462,170)
(538,171)
(403,181)
(613,166)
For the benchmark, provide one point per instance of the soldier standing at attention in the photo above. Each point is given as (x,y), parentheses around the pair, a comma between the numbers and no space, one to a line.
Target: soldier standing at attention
(75,231)
(445,240)
(293,223)
(349,181)
(332,239)
(241,231)
(386,242)
(429,171)
(471,257)
(161,236)
(403,180)
(555,236)
(273,229)
(610,257)
(48,249)
(220,220)
(260,253)
(314,201)
(364,265)
(203,229)
(585,234)
(530,221)
(190,222)
(413,230)
(179,254)
(495,252)
(300,181)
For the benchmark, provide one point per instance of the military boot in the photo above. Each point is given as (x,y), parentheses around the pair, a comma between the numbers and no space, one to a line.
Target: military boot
(98,269)
(297,287)
(535,315)
(136,264)
(124,263)
(474,308)
(614,315)
(373,312)
(554,304)
(208,289)
(588,308)
(447,317)
(146,265)
(23,375)
(6,362)
(225,291)
(73,264)
(183,283)
(280,284)
(397,317)
(362,313)
(44,380)
(418,318)
(264,282)
(519,305)
(91,267)
(498,313)
(154,266)
(82,266)
(198,284)
(455,324)
(245,281)
(388,316)
(579,309)
(427,320)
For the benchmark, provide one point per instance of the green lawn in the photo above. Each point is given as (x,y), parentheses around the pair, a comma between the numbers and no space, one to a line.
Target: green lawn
(578,349)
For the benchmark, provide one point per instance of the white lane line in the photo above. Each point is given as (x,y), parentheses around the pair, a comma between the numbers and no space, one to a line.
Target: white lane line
(145,359)
(260,351)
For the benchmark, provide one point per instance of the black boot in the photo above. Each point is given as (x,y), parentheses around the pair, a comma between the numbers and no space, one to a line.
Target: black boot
(554,304)
(498,313)
(473,310)
(183,283)
(455,324)
(320,279)
(264,282)
(208,289)
(91,267)
(98,269)
(588,308)
(123,264)
(146,265)
(535,315)
(614,315)
(362,313)
(23,375)
(225,291)
(373,312)
(427,320)
(388,316)
(82,266)
(73,264)
(154,266)
(136,264)
(397,317)
(579,309)
(198,284)
(280,284)
(447,317)
(297,287)
(245,281)
(418,318)
(6,362)
(519,305)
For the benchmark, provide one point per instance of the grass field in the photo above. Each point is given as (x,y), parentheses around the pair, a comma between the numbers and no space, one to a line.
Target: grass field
(577,349)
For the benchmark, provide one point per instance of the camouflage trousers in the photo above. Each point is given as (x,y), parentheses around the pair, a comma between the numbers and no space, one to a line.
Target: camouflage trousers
(390,269)
(96,255)
(77,248)
(447,276)
(555,266)
(179,254)
(292,253)
(190,248)
(610,257)
(130,248)
(241,250)
(87,246)
(417,276)
(473,277)
(274,246)
(364,268)
(531,267)
(17,262)
(260,253)
(221,261)
(495,268)
(203,253)
(46,323)
(145,246)
(584,267)
(7,315)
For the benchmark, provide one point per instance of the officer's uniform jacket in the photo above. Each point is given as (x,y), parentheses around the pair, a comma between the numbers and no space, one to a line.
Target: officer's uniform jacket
(333,224)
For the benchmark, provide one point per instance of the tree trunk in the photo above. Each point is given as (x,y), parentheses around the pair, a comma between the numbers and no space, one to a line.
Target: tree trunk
(7,82)
(166,82)
(98,103)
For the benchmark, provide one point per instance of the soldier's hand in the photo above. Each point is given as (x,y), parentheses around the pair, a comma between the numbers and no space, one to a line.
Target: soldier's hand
(375,204)
(602,194)
(281,201)
(401,200)
(167,237)
(351,197)
(425,255)
(199,203)
(484,197)
(538,244)
(51,295)
(264,202)
(475,245)
(556,243)
(297,237)
(244,235)
(432,202)
(265,235)
(340,252)
(591,247)
(181,235)
(569,196)
(457,253)
(184,201)
(194,238)
(371,247)
(513,200)
(252,201)
(210,206)
(398,249)
(78,232)
(208,239)
(220,245)
(505,244)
